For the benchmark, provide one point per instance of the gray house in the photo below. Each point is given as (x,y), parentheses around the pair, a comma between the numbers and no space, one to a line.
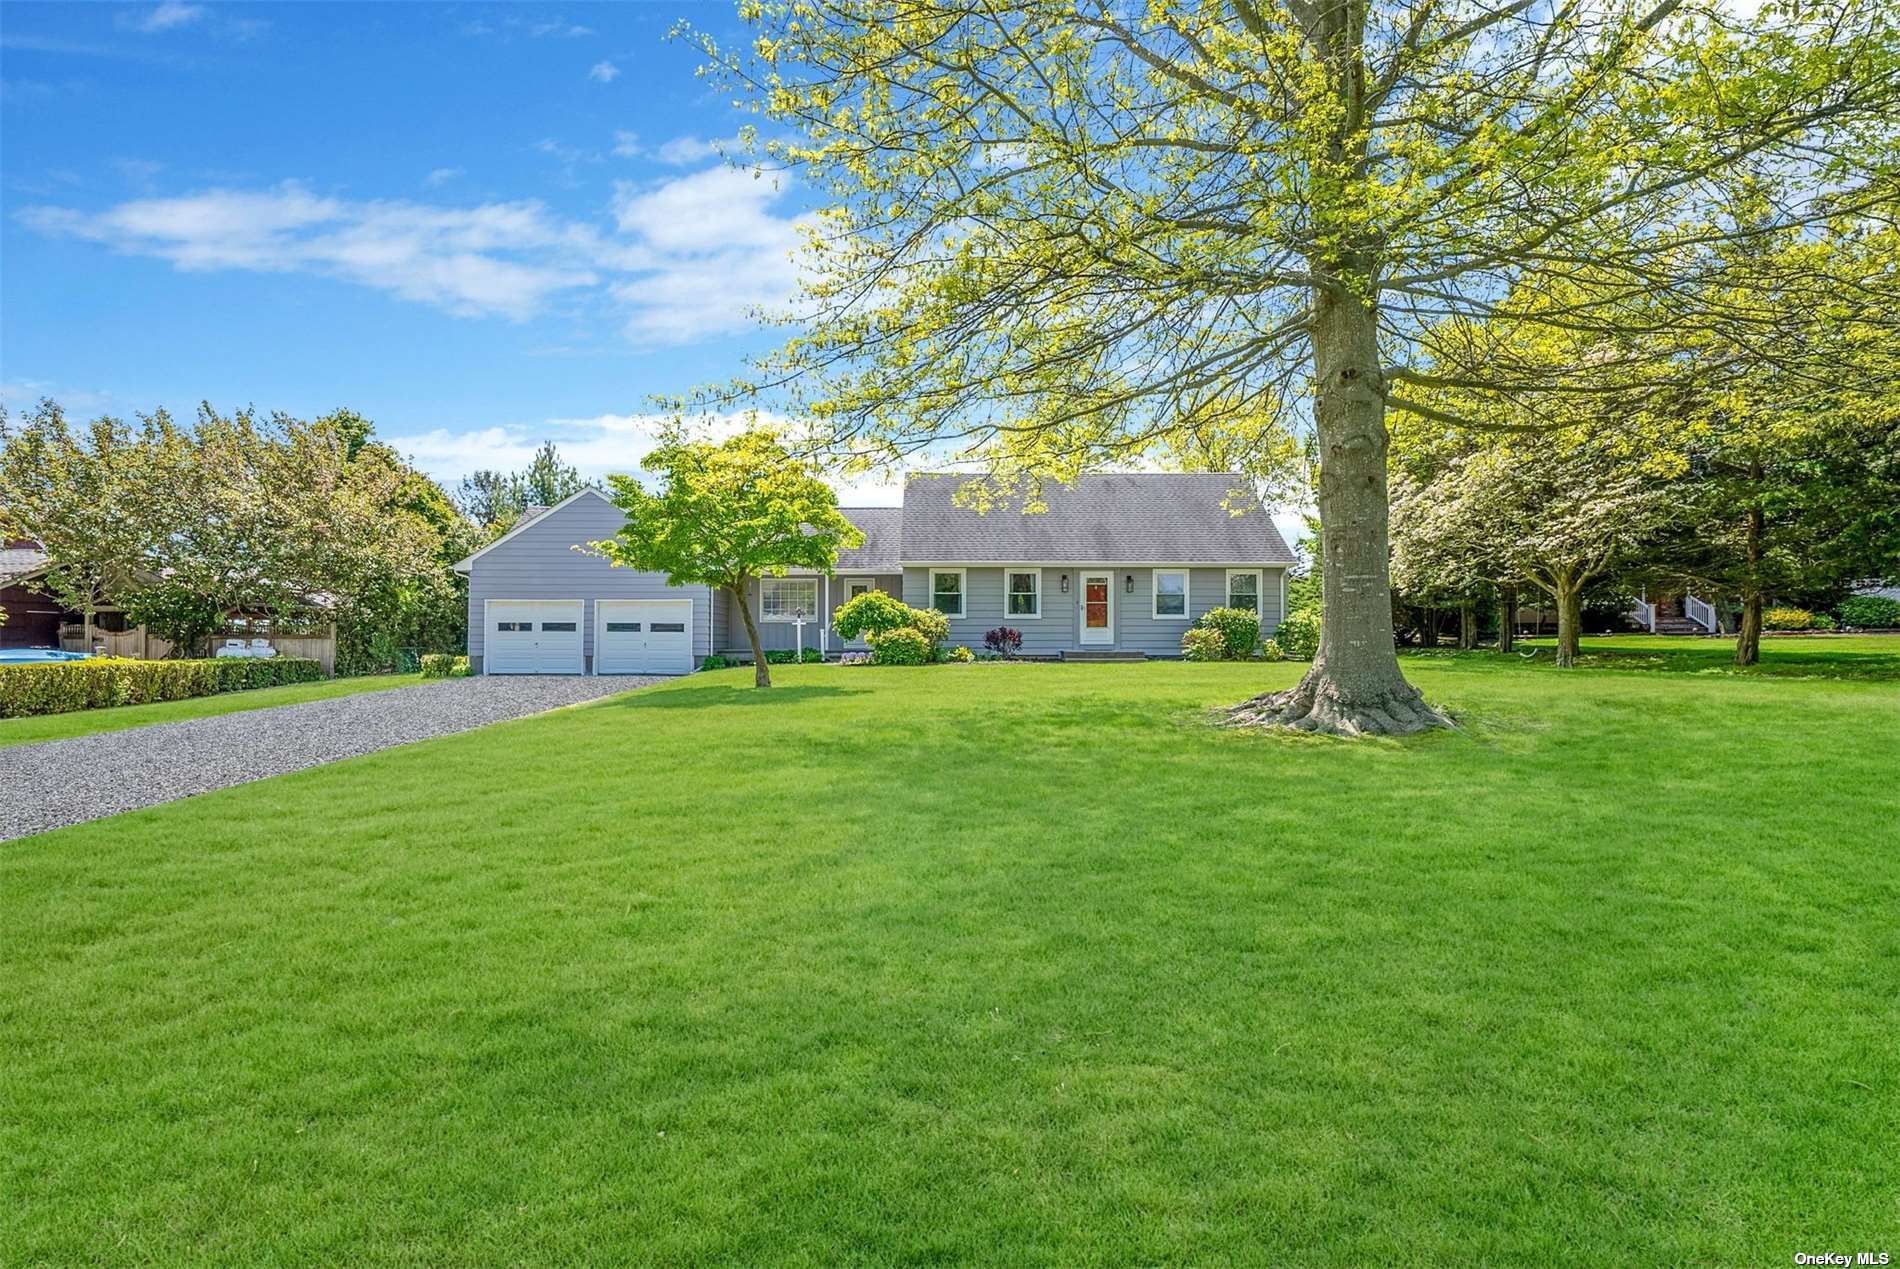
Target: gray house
(1117,563)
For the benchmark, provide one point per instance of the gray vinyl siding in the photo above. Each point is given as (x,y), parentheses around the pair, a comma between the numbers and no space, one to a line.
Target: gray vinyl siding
(783,635)
(1058,630)
(542,564)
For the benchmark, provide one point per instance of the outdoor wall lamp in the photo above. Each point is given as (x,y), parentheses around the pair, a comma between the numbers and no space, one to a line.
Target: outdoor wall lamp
(1065,583)
(1128,587)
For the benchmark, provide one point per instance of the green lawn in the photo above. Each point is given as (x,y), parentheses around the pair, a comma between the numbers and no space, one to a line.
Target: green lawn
(986,964)
(86,722)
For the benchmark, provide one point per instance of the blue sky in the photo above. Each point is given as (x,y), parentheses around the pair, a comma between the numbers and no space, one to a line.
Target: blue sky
(477,225)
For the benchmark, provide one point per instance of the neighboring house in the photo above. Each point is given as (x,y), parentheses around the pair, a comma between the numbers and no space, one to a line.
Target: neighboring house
(1117,563)
(32,619)
(35,619)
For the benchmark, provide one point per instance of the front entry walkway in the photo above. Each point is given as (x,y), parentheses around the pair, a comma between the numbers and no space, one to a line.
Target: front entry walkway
(63,782)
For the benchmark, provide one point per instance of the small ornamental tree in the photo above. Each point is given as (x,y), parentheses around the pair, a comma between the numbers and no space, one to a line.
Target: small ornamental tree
(726,515)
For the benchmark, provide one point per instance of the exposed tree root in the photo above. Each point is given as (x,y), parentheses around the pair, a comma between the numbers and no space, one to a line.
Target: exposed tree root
(1317,705)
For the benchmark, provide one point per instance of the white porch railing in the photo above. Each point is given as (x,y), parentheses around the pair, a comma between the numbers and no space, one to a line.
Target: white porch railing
(1699,612)
(1644,613)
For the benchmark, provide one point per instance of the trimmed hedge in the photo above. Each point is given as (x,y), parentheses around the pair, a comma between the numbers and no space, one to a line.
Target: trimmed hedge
(1870,612)
(99,682)
(443,665)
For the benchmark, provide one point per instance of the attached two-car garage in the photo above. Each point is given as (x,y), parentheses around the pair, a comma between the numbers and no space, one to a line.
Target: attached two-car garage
(541,601)
(631,636)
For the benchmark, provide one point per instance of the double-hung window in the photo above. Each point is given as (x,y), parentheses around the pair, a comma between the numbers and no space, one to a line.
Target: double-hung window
(1171,594)
(946,591)
(1022,592)
(1243,590)
(787,598)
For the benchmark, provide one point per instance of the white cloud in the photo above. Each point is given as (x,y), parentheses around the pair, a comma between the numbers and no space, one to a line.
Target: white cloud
(24,394)
(721,252)
(685,151)
(604,72)
(137,172)
(442,176)
(462,260)
(603,445)
(627,145)
(711,210)
(684,258)
(169,15)
(560,27)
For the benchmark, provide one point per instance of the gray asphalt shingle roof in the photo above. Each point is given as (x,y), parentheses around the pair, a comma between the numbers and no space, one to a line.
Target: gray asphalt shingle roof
(1134,518)
(18,560)
(883,529)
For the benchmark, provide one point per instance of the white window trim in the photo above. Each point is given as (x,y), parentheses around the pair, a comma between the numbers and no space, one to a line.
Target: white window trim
(1154,594)
(963,590)
(1259,589)
(1035,570)
(786,621)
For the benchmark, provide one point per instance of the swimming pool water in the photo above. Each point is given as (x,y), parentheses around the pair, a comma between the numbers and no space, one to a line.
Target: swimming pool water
(37,656)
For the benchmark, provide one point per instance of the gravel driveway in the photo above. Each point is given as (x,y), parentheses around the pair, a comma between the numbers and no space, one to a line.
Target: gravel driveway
(64,782)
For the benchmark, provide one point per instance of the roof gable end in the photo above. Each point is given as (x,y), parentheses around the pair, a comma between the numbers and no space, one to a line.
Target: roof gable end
(463,565)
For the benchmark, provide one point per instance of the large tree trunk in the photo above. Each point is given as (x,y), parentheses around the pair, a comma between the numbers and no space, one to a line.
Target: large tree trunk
(1354,686)
(1428,627)
(761,673)
(1468,624)
(1569,595)
(1507,619)
(1748,639)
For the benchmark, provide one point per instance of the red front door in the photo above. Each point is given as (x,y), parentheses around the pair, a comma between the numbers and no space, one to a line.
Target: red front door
(1097,614)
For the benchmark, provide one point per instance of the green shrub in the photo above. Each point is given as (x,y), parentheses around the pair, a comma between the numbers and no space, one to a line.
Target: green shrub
(905,645)
(1298,635)
(1787,619)
(1823,622)
(872,613)
(875,615)
(959,655)
(443,665)
(99,682)
(1202,643)
(814,657)
(1239,630)
(1869,612)
(933,626)
(714,663)
(1272,651)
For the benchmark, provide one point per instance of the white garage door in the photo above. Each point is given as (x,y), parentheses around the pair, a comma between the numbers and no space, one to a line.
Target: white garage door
(533,636)
(643,636)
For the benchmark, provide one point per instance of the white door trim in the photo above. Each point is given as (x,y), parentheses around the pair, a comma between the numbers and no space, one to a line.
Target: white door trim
(1082,607)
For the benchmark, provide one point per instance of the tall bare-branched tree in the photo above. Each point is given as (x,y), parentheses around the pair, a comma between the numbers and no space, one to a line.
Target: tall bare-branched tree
(1068,233)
